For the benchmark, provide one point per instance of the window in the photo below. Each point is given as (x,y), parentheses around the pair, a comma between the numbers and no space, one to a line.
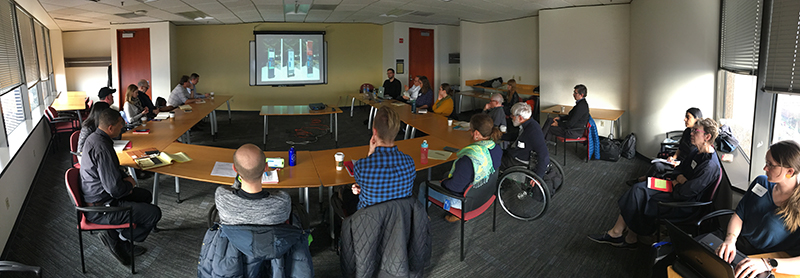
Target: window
(27,41)
(736,107)
(41,51)
(787,118)
(10,71)
(13,113)
(33,96)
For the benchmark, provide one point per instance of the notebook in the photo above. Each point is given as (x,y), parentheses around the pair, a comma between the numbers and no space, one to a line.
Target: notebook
(659,184)
(698,258)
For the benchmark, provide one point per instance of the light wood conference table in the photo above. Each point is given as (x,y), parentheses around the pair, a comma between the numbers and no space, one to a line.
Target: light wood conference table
(672,274)
(298,110)
(597,114)
(70,101)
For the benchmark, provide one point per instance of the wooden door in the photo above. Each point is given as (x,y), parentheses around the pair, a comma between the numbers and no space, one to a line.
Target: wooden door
(133,56)
(420,55)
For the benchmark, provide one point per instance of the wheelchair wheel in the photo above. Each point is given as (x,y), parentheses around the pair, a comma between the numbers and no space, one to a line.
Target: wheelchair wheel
(557,178)
(523,194)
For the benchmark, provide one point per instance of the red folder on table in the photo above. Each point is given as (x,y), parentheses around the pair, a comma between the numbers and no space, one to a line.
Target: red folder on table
(659,184)
(349,166)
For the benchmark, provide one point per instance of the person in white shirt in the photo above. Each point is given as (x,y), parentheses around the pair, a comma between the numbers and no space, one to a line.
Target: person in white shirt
(413,92)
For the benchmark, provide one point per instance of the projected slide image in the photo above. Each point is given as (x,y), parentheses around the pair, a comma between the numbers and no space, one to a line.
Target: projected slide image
(288,59)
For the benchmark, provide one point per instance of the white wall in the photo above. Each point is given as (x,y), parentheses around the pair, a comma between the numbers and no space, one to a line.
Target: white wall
(590,46)
(160,57)
(472,44)
(87,44)
(674,49)
(445,41)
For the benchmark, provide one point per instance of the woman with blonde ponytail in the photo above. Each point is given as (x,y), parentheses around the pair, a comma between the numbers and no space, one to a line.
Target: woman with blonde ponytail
(767,218)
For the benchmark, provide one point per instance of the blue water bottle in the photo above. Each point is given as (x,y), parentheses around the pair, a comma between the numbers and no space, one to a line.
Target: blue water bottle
(413,106)
(292,157)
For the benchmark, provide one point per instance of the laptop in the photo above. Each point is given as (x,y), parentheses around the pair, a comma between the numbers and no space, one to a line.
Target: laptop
(697,257)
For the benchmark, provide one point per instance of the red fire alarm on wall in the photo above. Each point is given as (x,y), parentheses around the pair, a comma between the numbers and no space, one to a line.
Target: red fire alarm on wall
(401,40)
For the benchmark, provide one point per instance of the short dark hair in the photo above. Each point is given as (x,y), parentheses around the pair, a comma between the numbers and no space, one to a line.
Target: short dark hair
(390,69)
(184,79)
(194,76)
(108,117)
(695,112)
(447,89)
(386,123)
(92,120)
(581,89)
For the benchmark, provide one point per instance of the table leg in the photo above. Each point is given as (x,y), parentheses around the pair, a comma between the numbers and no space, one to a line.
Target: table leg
(330,211)
(611,130)
(320,197)
(178,190)
(211,123)
(80,119)
(155,189)
(265,131)
(413,132)
(352,102)
(429,173)
(229,110)
(308,210)
(407,132)
(460,101)
(619,127)
(336,131)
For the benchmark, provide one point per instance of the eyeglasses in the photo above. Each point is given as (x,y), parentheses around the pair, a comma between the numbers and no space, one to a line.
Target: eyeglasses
(768,165)
(697,130)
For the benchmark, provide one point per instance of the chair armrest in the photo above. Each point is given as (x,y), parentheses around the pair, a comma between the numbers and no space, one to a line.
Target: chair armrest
(75,153)
(683,204)
(103,209)
(439,188)
(714,214)
(7,266)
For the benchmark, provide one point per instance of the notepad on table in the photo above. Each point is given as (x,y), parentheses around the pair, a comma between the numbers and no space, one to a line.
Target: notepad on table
(162,159)
(162,116)
(121,145)
(185,107)
(439,155)
(349,166)
(200,101)
(270,177)
(659,184)
(223,169)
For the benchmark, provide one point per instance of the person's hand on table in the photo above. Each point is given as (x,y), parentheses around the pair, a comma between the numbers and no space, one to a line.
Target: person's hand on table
(750,267)
(406,97)
(681,179)
(356,189)
(207,94)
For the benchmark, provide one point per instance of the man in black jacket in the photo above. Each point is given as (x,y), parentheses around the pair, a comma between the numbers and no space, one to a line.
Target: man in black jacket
(530,139)
(573,124)
(392,87)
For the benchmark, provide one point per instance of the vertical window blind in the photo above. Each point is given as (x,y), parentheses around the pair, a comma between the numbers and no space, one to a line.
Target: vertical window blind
(782,69)
(44,71)
(9,62)
(740,35)
(27,41)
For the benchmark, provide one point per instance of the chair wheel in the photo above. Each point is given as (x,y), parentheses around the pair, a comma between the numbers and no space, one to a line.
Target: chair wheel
(523,194)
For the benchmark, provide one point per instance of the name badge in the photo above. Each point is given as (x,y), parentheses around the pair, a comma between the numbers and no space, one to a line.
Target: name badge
(520,144)
(694,164)
(446,205)
(759,190)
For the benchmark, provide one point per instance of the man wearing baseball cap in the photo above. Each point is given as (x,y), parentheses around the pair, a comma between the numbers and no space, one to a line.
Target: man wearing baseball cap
(106,94)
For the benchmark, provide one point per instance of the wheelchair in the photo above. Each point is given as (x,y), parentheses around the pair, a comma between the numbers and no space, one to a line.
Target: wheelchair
(525,195)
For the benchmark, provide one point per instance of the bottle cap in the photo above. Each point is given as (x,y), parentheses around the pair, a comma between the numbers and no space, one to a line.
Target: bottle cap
(424,143)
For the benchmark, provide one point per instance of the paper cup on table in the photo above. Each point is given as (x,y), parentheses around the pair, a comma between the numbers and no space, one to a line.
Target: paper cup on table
(212,95)
(339,160)
(144,121)
(449,122)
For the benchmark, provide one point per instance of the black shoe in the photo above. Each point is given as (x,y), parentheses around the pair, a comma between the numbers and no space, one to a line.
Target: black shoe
(114,245)
(137,250)
(607,239)
(632,182)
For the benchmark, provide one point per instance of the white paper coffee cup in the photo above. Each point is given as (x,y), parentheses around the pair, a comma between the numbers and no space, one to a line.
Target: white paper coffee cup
(339,157)
(449,122)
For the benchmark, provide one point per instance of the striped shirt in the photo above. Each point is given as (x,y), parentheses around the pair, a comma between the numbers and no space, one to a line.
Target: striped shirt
(385,175)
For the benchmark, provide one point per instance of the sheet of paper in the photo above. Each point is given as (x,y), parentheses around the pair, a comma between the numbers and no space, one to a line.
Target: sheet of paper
(119,145)
(179,157)
(438,155)
(270,177)
(200,101)
(162,116)
(223,169)
(185,107)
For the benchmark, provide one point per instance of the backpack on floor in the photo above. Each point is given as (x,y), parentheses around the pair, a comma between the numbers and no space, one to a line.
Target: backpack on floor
(609,149)
(628,148)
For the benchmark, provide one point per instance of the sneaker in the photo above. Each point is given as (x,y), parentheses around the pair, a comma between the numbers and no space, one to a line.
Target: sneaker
(607,239)
(113,246)
(137,250)
(451,218)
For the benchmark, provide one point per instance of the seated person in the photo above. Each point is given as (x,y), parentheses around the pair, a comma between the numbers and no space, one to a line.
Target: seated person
(413,92)
(573,124)
(444,101)
(495,110)
(685,147)
(134,109)
(474,165)
(639,205)
(194,79)
(89,124)
(425,98)
(512,97)
(180,95)
(392,87)
(106,95)
(245,203)
(768,216)
(144,85)
(386,173)
(104,183)
(529,138)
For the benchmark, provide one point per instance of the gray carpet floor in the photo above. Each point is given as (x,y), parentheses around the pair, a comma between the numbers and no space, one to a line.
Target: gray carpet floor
(554,245)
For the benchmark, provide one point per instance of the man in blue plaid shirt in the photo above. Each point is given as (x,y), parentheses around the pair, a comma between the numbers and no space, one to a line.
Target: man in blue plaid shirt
(386,173)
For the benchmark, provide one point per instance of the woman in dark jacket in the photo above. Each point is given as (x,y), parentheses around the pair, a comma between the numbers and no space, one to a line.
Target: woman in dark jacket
(90,124)
(639,205)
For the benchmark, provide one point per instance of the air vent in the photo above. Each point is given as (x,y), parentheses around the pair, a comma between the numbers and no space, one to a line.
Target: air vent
(324,7)
(397,13)
(193,15)
(424,14)
(72,20)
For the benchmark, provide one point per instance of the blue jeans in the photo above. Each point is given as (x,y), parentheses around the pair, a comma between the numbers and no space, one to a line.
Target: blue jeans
(454,203)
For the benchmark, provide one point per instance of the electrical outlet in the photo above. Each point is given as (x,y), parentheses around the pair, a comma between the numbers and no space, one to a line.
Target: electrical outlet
(8,204)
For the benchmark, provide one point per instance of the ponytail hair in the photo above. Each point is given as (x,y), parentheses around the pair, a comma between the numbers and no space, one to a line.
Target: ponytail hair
(485,126)
(496,134)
